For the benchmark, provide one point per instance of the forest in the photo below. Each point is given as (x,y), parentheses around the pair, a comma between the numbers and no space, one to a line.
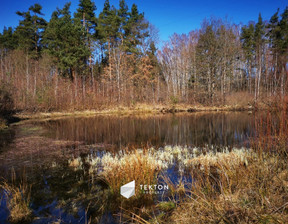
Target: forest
(89,61)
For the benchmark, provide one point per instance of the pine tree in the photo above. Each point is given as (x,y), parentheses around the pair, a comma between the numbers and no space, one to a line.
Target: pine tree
(30,30)
(247,38)
(258,46)
(207,53)
(123,15)
(283,49)
(108,25)
(274,31)
(107,32)
(283,24)
(64,40)
(136,29)
(8,40)
(86,16)
(277,34)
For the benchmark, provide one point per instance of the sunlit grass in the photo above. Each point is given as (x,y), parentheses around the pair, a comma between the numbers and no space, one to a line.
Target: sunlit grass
(144,165)
(138,166)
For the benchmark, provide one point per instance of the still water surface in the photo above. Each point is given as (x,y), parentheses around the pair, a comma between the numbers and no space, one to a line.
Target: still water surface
(196,129)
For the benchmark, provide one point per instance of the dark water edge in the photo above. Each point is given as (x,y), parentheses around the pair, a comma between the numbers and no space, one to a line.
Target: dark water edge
(60,192)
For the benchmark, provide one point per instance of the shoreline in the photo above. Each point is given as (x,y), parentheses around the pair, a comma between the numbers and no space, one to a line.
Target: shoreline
(136,110)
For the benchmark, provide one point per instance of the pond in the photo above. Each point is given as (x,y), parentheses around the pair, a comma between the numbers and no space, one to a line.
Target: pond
(190,129)
(40,152)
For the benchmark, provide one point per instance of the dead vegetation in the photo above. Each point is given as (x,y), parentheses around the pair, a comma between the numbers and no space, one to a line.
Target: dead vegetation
(17,196)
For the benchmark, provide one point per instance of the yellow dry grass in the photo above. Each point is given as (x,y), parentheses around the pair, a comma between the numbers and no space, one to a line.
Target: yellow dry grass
(17,200)
(136,166)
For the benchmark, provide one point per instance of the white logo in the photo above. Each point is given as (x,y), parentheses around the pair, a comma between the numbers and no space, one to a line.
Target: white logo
(154,189)
(128,190)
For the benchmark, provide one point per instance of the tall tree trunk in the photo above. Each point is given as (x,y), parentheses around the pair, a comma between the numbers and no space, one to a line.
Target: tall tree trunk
(250,77)
(83,89)
(35,78)
(2,65)
(56,88)
(259,80)
(27,73)
(224,86)
(283,80)
(93,79)
(158,87)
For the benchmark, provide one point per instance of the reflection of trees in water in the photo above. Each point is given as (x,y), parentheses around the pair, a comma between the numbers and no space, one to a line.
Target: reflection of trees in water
(60,191)
(192,129)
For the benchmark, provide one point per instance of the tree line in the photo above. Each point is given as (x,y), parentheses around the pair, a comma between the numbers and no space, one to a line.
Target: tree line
(85,61)
(222,58)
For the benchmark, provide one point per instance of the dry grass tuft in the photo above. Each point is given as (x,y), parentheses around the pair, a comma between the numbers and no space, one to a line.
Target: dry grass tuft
(137,165)
(17,200)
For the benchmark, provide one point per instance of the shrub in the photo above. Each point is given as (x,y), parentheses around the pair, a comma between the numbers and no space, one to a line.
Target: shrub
(6,103)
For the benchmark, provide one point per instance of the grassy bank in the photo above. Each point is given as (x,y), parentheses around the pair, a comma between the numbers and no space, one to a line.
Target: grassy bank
(236,102)
(138,109)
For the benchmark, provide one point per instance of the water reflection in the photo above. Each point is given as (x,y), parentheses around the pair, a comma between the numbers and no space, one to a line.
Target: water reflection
(189,129)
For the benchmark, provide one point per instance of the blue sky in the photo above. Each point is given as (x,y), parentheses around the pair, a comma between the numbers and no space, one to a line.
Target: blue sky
(178,16)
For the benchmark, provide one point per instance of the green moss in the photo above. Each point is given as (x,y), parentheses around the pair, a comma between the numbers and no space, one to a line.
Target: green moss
(166,206)
(2,124)
(158,219)
(30,129)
